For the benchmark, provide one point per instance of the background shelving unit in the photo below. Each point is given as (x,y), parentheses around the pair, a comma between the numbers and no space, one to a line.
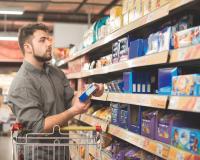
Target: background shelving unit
(166,58)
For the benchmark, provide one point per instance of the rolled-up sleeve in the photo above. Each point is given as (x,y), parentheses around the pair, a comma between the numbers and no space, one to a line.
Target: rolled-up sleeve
(27,108)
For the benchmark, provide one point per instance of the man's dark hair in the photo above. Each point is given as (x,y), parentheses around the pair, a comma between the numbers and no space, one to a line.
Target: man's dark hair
(27,31)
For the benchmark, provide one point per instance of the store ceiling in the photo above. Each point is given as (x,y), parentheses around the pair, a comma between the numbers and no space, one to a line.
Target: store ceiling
(51,11)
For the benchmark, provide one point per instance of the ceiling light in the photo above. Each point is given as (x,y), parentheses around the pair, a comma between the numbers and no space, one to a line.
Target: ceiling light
(16,11)
(8,36)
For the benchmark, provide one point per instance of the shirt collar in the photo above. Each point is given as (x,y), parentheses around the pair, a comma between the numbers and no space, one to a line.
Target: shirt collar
(33,69)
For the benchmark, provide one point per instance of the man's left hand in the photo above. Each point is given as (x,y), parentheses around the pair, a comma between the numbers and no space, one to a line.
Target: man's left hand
(99,91)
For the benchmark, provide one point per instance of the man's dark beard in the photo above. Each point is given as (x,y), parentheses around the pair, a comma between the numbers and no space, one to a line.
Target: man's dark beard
(42,59)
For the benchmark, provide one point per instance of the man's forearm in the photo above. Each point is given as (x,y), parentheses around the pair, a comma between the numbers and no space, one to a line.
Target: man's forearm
(58,119)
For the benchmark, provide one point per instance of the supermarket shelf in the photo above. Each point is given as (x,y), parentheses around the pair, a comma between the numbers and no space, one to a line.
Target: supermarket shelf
(153,59)
(178,3)
(185,54)
(152,146)
(177,154)
(160,149)
(157,14)
(74,75)
(150,100)
(185,103)
(94,121)
(62,62)
(102,98)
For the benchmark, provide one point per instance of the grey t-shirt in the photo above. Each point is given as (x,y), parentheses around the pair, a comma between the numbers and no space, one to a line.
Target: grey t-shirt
(36,94)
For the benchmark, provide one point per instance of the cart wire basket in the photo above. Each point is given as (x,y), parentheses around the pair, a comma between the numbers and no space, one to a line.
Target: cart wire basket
(66,143)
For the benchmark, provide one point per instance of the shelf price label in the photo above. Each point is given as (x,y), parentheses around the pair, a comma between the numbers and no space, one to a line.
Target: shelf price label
(94,121)
(185,54)
(157,148)
(177,3)
(177,154)
(187,103)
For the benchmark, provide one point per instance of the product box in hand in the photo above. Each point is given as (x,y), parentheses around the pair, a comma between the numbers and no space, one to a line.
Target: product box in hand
(165,76)
(87,93)
(134,118)
(186,85)
(186,139)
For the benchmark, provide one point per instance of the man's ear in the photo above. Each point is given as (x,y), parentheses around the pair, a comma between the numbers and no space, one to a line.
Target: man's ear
(27,48)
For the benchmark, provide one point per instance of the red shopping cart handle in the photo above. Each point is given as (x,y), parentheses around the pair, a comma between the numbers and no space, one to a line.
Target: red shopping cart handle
(16,127)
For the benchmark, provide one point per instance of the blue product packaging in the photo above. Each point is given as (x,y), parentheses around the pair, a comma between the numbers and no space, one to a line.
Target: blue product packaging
(128,82)
(87,93)
(145,47)
(143,82)
(186,139)
(115,113)
(134,118)
(123,116)
(115,52)
(165,76)
(136,48)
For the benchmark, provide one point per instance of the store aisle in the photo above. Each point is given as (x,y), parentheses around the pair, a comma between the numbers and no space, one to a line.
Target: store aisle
(5,148)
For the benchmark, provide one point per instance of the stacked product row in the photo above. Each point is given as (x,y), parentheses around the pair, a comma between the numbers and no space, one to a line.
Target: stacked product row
(177,33)
(130,11)
(169,82)
(167,127)
(176,129)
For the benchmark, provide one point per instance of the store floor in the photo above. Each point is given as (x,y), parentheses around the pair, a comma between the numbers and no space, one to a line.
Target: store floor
(5,148)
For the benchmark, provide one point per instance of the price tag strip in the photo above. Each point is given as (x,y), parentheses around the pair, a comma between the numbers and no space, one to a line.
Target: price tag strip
(185,103)
(185,54)
(177,154)
(154,101)
(94,121)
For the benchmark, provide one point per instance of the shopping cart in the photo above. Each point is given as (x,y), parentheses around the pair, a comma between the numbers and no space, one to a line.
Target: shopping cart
(56,145)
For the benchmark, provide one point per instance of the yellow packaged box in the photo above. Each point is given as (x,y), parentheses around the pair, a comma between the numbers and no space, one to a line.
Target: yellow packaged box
(146,7)
(125,4)
(125,18)
(115,12)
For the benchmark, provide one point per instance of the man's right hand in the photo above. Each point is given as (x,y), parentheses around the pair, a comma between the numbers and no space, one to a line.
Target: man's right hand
(79,107)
